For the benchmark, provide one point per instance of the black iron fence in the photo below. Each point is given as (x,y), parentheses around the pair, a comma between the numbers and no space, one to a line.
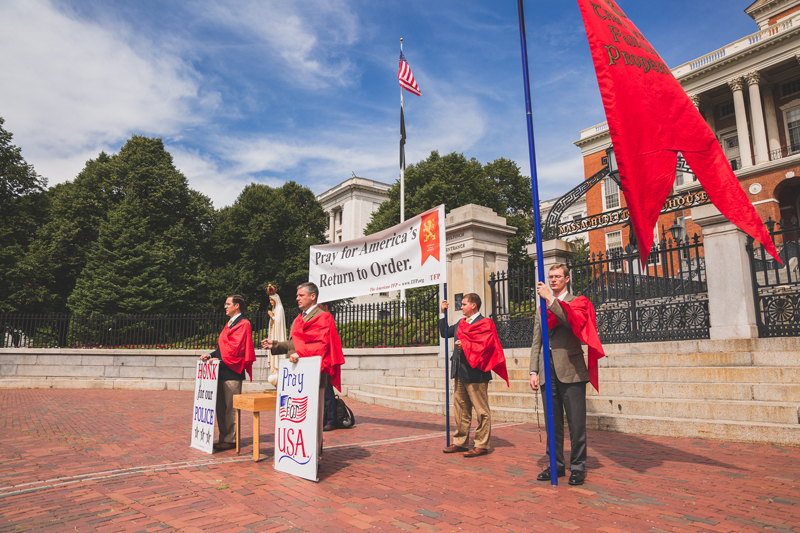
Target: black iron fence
(666,299)
(172,331)
(413,322)
(776,286)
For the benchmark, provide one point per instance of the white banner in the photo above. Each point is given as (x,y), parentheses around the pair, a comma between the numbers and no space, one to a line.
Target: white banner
(296,417)
(205,404)
(411,254)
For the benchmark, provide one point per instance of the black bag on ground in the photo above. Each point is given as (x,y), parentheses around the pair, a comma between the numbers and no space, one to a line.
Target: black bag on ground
(344,416)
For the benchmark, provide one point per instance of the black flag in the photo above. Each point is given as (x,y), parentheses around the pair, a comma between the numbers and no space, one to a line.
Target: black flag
(402,140)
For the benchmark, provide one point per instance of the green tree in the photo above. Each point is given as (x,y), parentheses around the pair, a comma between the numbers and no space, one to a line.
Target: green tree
(177,221)
(454,180)
(23,204)
(123,273)
(265,237)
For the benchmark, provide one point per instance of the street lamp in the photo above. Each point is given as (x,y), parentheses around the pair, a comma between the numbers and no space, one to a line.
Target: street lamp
(676,230)
(613,169)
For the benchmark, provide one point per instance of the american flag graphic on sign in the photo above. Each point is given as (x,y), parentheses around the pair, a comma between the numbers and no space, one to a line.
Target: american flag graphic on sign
(293,409)
(407,81)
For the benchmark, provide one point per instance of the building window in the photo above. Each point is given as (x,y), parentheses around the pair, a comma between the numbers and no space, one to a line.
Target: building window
(790,88)
(610,194)
(613,245)
(726,110)
(793,129)
(383,294)
(340,216)
(577,218)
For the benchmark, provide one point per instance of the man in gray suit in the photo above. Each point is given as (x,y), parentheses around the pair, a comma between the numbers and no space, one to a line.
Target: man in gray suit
(568,373)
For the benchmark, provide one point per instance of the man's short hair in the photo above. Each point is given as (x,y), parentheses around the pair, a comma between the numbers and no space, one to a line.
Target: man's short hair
(562,266)
(473,298)
(237,299)
(310,288)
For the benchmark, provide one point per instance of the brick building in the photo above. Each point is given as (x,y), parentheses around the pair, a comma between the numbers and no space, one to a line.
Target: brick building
(749,94)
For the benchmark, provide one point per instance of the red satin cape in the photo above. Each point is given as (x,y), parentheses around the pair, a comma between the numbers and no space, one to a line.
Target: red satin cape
(482,347)
(319,337)
(236,347)
(580,314)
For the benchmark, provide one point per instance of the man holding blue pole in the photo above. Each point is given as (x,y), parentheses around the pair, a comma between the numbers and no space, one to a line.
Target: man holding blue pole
(570,321)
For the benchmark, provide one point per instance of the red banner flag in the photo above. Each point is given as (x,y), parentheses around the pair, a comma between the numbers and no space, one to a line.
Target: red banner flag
(650,119)
(429,238)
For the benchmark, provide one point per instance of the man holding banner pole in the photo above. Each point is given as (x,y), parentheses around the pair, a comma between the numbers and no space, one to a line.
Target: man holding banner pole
(313,334)
(476,353)
(570,321)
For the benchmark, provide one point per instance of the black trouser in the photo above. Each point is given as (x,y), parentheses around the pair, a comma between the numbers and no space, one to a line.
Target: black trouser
(569,397)
(330,405)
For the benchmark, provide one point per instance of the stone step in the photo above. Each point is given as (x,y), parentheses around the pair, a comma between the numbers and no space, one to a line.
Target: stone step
(733,359)
(750,411)
(704,375)
(779,392)
(728,410)
(726,430)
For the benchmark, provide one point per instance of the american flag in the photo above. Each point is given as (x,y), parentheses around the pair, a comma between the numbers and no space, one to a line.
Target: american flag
(407,81)
(293,409)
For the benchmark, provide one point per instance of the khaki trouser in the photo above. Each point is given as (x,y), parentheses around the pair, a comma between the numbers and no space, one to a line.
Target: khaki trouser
(226,415)
(468,396)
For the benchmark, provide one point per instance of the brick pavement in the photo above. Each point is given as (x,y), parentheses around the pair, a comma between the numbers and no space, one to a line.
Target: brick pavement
(96,460)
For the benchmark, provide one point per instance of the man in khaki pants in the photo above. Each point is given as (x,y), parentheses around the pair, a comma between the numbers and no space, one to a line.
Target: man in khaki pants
(471,386)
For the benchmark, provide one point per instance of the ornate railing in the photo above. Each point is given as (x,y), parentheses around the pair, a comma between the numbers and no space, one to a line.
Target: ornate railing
(413,322)
(776,286)
(198,331)
(666,299)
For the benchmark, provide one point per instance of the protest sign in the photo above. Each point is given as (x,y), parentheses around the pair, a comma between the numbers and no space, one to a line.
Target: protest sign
(411,254)
(296,412)
(205,403)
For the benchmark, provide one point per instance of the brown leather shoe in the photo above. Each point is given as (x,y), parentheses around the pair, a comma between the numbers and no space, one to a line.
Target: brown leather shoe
(454,449)
(475,452)
(223,446)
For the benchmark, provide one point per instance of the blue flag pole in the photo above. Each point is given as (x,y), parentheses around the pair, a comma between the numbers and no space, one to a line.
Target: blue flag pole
(446,376)
(551,438)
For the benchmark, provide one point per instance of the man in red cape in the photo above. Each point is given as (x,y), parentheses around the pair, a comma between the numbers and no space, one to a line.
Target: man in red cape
(313,333)
(570,322)
(476,353)
(236,354)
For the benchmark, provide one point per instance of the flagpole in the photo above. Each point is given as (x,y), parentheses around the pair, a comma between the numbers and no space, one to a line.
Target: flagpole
(551,439)
(446,375)
(402,181)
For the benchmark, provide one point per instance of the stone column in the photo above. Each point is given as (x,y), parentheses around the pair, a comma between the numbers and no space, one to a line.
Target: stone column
(331,226)
(707,111)
(555,251)
(770,118)
(730,287)
(477,247)
(759,131)
(736,85)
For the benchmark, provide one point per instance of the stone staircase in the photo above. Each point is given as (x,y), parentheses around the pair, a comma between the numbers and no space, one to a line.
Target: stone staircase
(734,390)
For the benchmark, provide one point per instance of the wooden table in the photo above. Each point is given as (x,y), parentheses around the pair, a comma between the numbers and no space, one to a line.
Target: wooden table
(255,403)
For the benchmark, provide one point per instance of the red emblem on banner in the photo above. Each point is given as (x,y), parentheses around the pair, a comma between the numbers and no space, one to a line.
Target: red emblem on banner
(429,236)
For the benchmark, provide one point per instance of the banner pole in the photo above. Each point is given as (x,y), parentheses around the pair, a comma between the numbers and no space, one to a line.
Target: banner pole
(446,376)
(402,179)
(551,439)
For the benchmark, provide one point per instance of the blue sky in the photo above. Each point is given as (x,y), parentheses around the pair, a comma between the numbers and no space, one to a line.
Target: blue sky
(271,91)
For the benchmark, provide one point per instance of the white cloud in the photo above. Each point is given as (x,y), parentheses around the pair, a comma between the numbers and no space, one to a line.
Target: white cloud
(70,86)
(308,37)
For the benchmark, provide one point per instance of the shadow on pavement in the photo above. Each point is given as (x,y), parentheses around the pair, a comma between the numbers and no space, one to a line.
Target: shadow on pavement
(641,455)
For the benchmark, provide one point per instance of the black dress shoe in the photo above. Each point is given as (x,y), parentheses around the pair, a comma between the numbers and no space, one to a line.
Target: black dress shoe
(545,475)
(577,477)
